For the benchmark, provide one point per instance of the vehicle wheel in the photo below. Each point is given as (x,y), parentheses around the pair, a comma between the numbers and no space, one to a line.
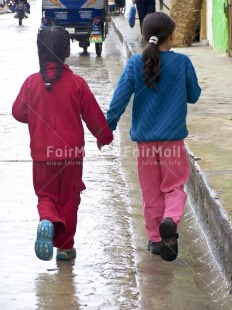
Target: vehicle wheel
(20,22)
(106,28)
(85,49)
(98,48)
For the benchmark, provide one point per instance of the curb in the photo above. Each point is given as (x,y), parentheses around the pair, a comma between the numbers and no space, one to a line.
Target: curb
(121,38)
(4,11)
(213,218)
(206,205)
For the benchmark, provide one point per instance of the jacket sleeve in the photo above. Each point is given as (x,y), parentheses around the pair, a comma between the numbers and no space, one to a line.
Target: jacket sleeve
(20,107)
(193,88)
(94,117)
(121,96)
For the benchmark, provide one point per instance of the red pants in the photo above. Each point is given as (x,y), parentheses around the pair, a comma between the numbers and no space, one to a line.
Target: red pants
(163,169)
(58,185)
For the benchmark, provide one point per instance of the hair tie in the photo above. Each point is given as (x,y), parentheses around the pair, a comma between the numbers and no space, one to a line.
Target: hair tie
(48,85)
(154,40)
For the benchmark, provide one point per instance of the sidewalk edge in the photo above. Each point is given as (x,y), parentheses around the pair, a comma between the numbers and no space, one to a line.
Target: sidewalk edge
(4,11)
(121,38)
(212,216)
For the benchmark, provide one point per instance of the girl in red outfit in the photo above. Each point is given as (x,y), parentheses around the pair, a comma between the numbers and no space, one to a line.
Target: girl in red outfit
(53,103)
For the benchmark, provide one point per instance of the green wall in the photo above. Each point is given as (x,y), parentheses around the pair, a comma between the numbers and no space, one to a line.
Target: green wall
(220,25)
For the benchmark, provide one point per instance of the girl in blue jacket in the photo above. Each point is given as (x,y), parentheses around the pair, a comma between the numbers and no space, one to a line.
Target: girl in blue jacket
(163,82)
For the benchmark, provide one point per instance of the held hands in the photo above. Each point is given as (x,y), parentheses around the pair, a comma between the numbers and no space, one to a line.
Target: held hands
(99,145)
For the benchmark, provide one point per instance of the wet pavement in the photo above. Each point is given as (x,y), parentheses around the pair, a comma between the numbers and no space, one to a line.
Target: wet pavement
(112,270)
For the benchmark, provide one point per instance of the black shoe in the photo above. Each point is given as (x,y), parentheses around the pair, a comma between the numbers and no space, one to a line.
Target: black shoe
(154,247)
(169,245)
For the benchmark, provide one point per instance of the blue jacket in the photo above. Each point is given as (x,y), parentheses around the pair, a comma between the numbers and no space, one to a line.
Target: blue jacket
(157,114)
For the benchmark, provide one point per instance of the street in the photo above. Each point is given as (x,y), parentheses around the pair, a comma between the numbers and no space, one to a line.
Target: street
(113,269)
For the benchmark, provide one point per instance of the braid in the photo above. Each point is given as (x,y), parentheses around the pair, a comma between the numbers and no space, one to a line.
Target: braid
(66,40)
(44,75)
(53,46)
(48,82)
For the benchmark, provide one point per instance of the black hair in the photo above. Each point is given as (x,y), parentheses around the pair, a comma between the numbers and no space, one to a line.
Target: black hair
(161,26)
(53,46)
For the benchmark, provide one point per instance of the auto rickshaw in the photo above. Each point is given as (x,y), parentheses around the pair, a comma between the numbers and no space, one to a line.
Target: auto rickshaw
(85,20)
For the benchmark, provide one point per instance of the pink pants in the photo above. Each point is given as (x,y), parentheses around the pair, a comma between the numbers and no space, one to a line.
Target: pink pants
(163,169)
(58,185)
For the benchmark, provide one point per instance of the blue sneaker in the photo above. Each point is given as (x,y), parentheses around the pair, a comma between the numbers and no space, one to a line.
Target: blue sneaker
(43,244)
(65,254)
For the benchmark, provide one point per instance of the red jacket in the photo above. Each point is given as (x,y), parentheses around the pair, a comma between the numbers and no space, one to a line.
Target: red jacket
(55,117)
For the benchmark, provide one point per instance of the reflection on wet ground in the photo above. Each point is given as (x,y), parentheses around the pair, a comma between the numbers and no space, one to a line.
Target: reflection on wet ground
(112,270)
(60,286)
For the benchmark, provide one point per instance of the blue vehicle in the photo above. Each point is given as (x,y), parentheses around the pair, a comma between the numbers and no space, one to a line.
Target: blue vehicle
(85,20)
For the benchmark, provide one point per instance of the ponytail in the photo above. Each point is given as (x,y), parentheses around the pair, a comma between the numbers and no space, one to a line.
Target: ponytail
(156,29)
(152,64)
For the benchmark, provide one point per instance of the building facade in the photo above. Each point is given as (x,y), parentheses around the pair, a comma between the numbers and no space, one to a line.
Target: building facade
(220,27)
(216,22)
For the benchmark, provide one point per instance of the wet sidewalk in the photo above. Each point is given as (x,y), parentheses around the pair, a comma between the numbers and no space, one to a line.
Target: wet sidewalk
(113,269)
(4,10)
(209,140)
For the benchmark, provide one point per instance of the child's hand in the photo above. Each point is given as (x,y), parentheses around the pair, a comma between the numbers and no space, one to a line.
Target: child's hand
(99,145)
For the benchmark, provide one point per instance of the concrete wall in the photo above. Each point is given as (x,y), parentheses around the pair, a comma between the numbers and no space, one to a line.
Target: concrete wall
(219,25)
(163,8)
(209,35)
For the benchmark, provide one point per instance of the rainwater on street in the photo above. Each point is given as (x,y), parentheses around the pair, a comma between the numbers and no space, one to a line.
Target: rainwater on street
(113,269)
